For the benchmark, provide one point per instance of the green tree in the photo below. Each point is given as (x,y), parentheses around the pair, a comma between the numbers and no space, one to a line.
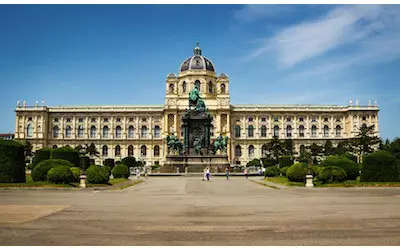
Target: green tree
(342,147)
(288,147)
(275,148)
(92,150)
(316,150)
(394,148)
(365,140)
(328,148)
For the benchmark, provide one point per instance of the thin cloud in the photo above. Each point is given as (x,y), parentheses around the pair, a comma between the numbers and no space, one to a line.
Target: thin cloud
(344,25)
(255,12)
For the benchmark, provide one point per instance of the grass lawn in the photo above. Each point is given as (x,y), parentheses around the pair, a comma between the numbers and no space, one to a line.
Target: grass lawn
(283,181)
(349,183)
(31,183)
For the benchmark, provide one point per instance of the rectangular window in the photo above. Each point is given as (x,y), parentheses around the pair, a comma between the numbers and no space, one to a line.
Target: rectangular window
(29,118)
(364,118)
(118,119)
(55,119)
(93,120)
(326,119)
(250,119)
(313,119)
(263,119)
(80,120)
(130,119)
(105,119)
(288,119)
(144,119)
(276,118)
(68,119)
(301,119)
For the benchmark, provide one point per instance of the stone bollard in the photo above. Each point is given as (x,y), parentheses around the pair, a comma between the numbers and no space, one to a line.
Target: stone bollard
(186,171)
(309,181)
(177,170)
(82,183)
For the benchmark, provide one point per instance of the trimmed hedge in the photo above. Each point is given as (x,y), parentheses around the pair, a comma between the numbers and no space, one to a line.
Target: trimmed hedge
(12,162)
(129,161)
(120,171)
(60,174)
(332,174)
(109,162)
(39,173)
(349,166)
(380,166)
(76,171)
(297,172)
(41,155)
(266,162)
(66,153)
(285,161)
(350,156)
(97,174)
(272,171)
(283,170)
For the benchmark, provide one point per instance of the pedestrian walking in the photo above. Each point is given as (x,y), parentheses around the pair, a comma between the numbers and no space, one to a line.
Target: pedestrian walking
(246,174)
(208,174)
(263,171)
(227,172)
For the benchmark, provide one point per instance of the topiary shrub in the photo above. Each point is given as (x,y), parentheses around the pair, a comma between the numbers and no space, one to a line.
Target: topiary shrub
(129,161)
(283,170)
(12,162)
(109,162)
(272,171)
(380,166)
(39,173)
(76,172)
(60,174)
(285,161)
(255,162)
(66,153)
(108,170)
(332,174)
(266,162)
(41,155)
(349,166)
(120,171)
(297,172)
(97,174)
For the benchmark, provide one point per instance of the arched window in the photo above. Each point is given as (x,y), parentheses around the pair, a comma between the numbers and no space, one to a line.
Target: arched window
(301,131)
(288,131)
(223,90)
(117,150)
(171,88)
(143,151)
(105,132)
(156,151)
(276,131)
(80,131)
(338,131)
(250,131)
(130,150)
(104,151)
(264,150)
(55,147)
(237,131)
(251,151)
(238,151)
(68,132)
(326,131)
(184,87)
(210,88)
(156,132)
(131,132)
(29,131)
(212,130)
(313,131)
(118,132)
(197,84)
(143,132)
(263,131)
(92,132)
(55,131)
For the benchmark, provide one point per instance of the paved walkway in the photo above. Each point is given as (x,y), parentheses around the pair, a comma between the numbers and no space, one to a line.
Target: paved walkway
(188,211)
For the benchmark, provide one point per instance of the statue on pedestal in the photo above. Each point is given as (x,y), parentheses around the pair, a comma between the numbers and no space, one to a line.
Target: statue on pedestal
(174,144)
(221,144)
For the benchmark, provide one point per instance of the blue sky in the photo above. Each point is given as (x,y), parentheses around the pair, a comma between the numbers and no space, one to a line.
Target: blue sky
(273,54)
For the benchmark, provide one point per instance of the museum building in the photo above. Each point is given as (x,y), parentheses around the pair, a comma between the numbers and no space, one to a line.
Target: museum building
(140,130)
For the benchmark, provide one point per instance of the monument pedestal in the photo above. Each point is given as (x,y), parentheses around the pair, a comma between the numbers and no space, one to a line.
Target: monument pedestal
(196,163)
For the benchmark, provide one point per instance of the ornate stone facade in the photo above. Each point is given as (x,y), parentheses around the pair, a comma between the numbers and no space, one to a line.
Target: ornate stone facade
(140,130)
